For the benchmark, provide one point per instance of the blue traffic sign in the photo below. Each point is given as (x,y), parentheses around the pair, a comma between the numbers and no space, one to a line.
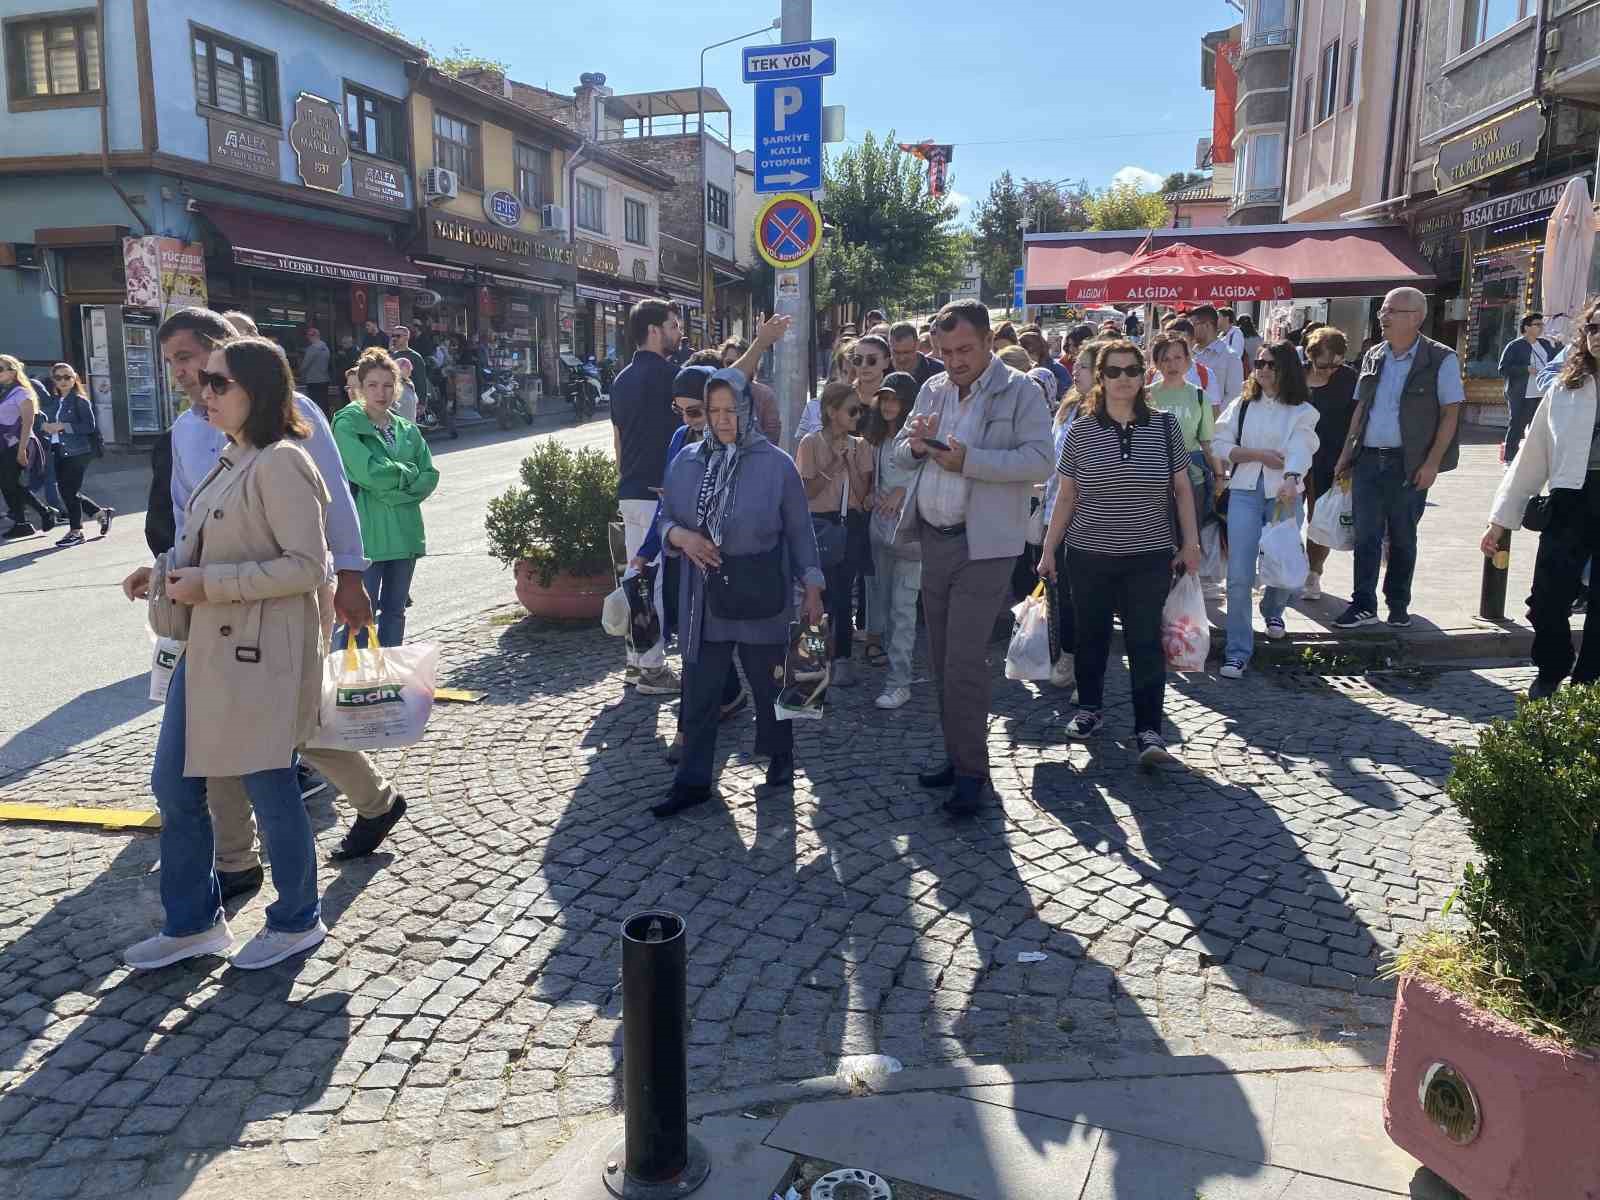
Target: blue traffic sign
(789,136)
(1017,291)
(796,60)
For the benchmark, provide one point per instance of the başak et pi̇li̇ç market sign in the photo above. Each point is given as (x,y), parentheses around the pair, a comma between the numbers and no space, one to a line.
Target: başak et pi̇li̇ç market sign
(1498,145)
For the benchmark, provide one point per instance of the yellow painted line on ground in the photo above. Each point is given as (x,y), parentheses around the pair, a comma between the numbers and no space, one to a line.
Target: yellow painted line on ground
(107,818)
(457,695)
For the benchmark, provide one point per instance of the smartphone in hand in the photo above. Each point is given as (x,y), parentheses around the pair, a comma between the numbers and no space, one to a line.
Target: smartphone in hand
(936,443)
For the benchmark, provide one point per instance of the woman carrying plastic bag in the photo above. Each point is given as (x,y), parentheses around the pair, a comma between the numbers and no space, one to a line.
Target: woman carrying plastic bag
(1185,628)
(1333,521)
(377,698)
(1029,655)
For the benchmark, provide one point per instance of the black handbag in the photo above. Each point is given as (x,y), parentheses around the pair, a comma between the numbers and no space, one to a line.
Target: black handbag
(1538,513)
(748,587)
(833,538)
(1221,502)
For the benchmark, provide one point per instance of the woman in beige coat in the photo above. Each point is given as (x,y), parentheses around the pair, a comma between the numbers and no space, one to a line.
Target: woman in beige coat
(247,690)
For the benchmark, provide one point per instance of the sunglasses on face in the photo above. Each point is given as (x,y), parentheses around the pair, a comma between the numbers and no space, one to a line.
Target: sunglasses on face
(691,412)
(217,383)
(1592,327)
(61,375)
(857,360)
(1266,364)
(1133,372)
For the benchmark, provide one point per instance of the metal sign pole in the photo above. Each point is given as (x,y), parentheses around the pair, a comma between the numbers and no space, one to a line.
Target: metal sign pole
(790,355)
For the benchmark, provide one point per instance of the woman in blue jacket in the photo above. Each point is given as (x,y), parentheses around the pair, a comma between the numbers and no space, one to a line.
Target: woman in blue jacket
(69,430)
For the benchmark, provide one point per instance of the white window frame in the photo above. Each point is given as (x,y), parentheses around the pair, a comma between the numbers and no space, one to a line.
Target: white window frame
(1461,10)
(629,204)
(1328,81)
(600,205)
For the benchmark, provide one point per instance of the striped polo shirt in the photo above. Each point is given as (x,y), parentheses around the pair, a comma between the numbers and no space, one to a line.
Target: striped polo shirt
(1124,477)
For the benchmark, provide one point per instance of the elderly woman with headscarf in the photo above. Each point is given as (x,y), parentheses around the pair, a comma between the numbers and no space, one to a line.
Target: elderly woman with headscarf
(735,508)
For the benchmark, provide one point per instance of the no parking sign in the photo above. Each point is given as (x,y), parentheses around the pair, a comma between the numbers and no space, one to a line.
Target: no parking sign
(788,230)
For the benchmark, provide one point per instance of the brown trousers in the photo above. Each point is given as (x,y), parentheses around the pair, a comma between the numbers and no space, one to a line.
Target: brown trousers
(961,600)
(233,821)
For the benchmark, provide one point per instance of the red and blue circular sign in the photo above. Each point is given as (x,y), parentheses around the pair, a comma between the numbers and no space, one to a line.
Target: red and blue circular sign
(788,230)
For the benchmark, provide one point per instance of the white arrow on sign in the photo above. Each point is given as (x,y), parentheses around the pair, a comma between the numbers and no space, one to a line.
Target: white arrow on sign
(811,59)
(791,178)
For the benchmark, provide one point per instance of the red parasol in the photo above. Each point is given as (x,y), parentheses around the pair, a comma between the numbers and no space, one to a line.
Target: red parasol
(1179,274)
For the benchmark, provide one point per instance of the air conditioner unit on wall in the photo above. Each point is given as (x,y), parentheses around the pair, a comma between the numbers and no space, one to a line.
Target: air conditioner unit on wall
(553,216)
(439,184)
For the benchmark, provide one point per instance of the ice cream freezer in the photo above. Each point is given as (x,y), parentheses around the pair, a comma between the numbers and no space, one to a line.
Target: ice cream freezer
(122,365)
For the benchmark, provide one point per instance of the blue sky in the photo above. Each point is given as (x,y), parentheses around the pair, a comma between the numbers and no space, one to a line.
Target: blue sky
(1099,88)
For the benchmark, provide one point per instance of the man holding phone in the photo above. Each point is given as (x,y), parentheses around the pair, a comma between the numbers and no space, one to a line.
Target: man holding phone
(982,440)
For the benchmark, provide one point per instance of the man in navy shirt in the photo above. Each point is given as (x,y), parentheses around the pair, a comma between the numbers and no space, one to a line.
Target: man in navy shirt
(642,422)
(903,351)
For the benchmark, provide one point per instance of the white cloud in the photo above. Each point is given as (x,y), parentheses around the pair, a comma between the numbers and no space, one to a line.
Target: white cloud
(1147,181)
(962,201)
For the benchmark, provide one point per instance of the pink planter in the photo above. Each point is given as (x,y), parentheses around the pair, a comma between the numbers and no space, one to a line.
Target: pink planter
(1513,1118)
(569,597)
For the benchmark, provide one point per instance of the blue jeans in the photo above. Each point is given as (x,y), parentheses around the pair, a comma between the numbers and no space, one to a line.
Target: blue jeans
(892,610)
(1385,503)
(1249,511)
(190,894)
(389,585)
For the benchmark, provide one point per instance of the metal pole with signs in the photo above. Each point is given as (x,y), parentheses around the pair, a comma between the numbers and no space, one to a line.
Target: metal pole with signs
(1019,293)
(788,159)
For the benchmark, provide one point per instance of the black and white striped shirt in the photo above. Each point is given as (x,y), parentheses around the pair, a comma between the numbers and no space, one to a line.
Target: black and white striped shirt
(1124,477)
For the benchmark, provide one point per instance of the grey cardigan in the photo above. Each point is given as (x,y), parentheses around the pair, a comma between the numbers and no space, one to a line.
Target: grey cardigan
(1012,453)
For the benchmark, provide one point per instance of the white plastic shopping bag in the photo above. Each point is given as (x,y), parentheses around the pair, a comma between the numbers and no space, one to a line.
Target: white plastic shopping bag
(1213,565)
(614,614)
(1029,654)
(1283,555)
(163,662)
(1185,628)
(375,699)
(1333,522)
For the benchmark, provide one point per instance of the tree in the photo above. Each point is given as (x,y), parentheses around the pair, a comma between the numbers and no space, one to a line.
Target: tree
(1179,180)
(454,61)
(1041,205)
(1124,206)
(890,241)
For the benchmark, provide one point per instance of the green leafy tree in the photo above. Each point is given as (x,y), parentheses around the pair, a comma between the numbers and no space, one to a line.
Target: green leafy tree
(1179,180)
(1124,206)
(1039,205)
(890,242)
(452,62)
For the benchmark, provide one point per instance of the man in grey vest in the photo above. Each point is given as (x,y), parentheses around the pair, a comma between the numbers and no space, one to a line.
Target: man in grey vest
(1408,410)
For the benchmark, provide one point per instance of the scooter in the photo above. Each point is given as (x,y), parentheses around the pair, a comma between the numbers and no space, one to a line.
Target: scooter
(503,400)
(582,392)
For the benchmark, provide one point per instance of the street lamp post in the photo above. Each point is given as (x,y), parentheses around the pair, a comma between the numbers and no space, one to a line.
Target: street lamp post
(700,132)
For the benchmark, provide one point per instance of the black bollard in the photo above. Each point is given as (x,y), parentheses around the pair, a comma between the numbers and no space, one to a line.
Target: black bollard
(656,1157)
(1496,571)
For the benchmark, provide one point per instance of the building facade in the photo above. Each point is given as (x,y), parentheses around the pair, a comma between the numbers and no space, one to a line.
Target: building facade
(1263,110)
(252,156)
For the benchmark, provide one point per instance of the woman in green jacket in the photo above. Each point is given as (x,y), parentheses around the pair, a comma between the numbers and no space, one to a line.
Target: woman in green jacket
(391,473)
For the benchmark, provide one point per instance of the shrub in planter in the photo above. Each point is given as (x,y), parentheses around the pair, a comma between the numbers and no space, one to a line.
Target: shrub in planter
(552,527)
(1494,1054)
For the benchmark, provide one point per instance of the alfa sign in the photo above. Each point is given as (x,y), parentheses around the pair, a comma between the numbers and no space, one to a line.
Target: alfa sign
(788,230)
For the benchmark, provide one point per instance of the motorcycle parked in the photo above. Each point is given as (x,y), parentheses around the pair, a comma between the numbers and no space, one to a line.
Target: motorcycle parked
(503,400)
(581,391)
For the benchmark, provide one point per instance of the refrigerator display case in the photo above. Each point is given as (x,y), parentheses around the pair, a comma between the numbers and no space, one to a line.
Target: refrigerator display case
(124,371)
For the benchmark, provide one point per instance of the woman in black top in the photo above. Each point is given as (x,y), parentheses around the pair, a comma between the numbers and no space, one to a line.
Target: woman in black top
(1332,382)
(1122,467)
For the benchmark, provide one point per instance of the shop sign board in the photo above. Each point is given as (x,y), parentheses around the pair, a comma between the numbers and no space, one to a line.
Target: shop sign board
(602,259)
(503,208)
(317,138)
(1517,204)
(294,264)
(243,147)
(164,273)
(1507,141)
(378,183)
(458,240)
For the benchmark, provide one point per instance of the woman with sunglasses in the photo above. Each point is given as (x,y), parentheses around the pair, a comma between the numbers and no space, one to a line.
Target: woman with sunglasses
(1332,384)
(836,467)
(247,691)
(19,407)
(1121,468)
(1559,450)
(870,358)
(1269,435)
(897,570)
(69,426)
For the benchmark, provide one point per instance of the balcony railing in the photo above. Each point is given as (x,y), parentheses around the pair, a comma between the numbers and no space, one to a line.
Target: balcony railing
(1283,36)
(1256,196)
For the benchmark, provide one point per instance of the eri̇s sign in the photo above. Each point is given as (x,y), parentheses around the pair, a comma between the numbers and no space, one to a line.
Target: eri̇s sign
(503,208)
(1500,144)
(317,137)
(788,230)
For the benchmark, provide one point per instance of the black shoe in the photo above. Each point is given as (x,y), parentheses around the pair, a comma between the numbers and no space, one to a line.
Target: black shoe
(1355,617)
(48,523)
(1542,688)
(367,834)
(679,799)
(240,883)
(105,516)
(22,529)
(1399,618)
(938,777)
(74,538)
(969,796)
(780,771)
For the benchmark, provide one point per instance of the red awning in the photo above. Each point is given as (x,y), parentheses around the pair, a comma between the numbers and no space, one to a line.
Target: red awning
(305,248)
(1319,260)
(1179,274)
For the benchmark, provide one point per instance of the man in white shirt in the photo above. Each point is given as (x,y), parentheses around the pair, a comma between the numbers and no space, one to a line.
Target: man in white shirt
(187,339)
(1222,363)
(1231,334)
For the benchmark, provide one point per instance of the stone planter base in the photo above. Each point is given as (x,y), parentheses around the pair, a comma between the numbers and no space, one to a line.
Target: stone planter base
(569,597)
(1512,1117)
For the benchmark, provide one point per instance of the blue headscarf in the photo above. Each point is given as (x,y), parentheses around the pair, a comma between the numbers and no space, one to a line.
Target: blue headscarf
(722,461)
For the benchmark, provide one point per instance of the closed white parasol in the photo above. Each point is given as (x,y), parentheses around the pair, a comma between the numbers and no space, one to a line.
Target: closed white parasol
(1568,248)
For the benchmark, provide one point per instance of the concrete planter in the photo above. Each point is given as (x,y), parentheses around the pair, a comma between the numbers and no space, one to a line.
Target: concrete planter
(569,597)
(1495,1112)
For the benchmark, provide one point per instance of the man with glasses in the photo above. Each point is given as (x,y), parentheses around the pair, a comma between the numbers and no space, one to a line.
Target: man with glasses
(400,347)
(1404,432)
(1521,363)
(1223,364)
(906,354)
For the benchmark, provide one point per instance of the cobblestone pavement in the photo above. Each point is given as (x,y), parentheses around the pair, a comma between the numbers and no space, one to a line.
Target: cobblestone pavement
(465,1009)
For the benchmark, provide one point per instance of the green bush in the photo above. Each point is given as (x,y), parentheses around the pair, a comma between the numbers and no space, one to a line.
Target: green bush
(1530,794)
(557,518)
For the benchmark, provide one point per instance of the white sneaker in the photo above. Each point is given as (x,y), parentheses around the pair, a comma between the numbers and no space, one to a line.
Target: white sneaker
(1064,673)
(1313,587)
(161,950)
(894,698)
(1232,669)
(273,946)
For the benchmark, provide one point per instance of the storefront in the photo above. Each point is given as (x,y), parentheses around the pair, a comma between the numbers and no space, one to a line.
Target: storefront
(497,293)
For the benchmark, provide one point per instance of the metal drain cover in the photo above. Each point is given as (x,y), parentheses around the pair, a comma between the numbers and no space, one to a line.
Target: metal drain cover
(851,1183)
(1450,1103)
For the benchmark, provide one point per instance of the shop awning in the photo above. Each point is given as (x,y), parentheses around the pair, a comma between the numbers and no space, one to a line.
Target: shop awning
(479,275)
(1320,260)
(276,243)
(604,295)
